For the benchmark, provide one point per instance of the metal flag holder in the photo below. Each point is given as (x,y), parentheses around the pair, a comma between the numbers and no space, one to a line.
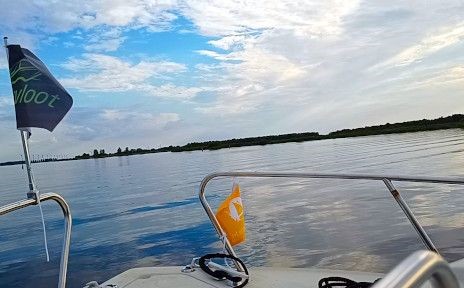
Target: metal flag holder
(35,198)
(67,229)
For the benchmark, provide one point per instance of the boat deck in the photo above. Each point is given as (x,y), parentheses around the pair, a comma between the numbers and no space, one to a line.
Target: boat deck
(269,277)
(168,277)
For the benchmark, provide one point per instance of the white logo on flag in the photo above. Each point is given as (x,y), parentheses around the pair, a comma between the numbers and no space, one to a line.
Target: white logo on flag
(233,211)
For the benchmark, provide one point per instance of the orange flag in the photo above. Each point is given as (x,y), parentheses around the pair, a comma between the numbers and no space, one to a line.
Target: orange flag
(230,215)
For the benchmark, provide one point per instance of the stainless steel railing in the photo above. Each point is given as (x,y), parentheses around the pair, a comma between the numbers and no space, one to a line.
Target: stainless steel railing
(67,229)
(418,268)
(386,179)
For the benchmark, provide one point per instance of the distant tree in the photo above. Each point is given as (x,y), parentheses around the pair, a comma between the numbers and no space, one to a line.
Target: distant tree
(83,156)
(119,151)
(126,150)
(102,152)
(95,153)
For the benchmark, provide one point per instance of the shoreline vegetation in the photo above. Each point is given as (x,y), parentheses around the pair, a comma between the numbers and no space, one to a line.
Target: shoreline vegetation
(450,122)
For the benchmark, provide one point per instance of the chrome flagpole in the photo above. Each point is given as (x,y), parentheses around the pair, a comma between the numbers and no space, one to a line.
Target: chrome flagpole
(33,192)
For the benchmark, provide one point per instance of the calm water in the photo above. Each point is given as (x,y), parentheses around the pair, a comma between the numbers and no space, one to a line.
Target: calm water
(143,210)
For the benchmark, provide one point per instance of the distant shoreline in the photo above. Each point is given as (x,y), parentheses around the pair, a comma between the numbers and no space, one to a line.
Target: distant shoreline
(450,122)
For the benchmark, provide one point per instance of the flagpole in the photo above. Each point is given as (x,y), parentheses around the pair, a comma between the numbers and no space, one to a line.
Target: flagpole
(32,194)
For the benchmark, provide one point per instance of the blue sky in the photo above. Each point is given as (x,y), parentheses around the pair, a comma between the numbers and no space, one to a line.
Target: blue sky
(149,73)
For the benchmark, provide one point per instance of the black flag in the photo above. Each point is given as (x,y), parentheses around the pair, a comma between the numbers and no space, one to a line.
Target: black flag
(40,101)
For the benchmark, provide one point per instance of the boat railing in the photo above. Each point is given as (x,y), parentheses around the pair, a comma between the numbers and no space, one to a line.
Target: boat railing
(417,269)
(386,179)
(67,229)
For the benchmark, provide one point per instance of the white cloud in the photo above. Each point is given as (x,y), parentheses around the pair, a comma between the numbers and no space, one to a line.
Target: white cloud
(109,64)
(441,78)
(259,66)
(174,92)
(303,18)
(32,21)
(216,18)
(3,61)
(433,43)
(114,114)
(249,83)
(228,42)
(98,72)
(105,44)
(106,40)
(68,44)
(219,56)
(306,59)
(232,104)
(232,20)
(6,101)
(62,16)
(141,120)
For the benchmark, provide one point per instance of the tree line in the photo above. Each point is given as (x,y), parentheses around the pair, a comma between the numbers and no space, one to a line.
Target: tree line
(454,121)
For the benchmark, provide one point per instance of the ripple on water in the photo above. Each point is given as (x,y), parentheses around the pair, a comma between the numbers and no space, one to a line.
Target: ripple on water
(144,210)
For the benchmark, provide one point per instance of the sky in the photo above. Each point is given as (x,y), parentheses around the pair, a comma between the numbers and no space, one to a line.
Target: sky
(147,73)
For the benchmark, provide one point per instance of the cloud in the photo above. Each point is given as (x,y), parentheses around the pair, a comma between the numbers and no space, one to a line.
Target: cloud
(106,40)
(104,63)
(98,72)
(174,92)
(320,58)
(69,44)
(7,111)
(80,132)
(316,19)
(6,101)
(140,120)
(250,78)
(228,42)
(35,20)
(303,18)
(105,45)
(117,114)
(53,16)
(3,62)
(219,56)
(259,65)
(446,77)
(85,129)
(433,43)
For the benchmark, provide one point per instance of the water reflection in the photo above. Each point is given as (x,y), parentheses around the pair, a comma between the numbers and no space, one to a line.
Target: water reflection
(143,210)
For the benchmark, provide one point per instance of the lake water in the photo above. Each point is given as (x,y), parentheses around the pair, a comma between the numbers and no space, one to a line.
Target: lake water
(144,211)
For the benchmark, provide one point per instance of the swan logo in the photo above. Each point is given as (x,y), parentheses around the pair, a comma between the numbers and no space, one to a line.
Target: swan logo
(22,73)
(231,217)
(236,208)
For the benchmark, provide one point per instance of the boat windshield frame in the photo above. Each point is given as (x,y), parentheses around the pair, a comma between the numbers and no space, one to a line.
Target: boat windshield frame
(386,179)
